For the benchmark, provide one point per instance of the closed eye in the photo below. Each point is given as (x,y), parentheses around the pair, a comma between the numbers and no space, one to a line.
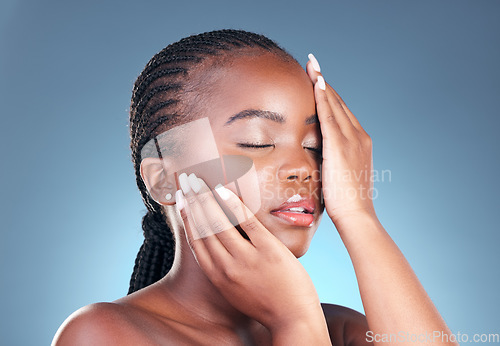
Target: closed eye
(256,146)
(261,146)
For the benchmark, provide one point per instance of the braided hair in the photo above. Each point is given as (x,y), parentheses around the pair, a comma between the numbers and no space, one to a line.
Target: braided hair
(158,104)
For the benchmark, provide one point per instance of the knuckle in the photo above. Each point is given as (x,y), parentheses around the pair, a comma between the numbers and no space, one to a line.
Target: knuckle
(344,141)
(367,140)
(272,256)
(203,230)
(234,207)
(218,226)
(209,268)
(252,262)
(216,279)
(219,277)
(331,118)
(251,226)
(184,218)
(231,274)
(190,199)
(203,198)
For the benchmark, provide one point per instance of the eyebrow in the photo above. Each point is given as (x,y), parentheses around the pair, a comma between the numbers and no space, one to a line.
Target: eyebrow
(274,116)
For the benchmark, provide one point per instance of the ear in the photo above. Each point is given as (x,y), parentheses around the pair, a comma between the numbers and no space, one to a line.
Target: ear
(159,182)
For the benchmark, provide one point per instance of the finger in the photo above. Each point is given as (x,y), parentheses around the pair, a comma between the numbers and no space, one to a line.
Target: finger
(324,97)
(330,128)
(201,230)
(353,119)
(345,124)
(313,70)
(215,220)
(198,248)
(212,224)
(257,233)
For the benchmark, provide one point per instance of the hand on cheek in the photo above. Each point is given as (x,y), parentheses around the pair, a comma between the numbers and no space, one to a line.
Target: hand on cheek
(260,276)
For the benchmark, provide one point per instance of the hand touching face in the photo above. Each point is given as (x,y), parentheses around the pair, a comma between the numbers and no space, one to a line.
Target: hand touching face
(347,154)
(263,108)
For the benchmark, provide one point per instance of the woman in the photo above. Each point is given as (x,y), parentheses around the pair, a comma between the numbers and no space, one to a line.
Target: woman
(215,100)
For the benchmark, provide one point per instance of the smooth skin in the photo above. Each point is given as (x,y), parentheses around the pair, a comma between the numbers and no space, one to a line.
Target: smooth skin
(225,290)
(259,277)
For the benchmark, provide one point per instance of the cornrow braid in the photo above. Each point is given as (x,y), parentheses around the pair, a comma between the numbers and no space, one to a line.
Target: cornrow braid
(157,104)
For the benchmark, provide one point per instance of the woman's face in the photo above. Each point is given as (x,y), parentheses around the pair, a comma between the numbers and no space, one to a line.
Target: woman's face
(285,163)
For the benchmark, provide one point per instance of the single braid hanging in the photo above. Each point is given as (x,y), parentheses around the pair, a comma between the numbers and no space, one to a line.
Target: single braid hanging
(156,101)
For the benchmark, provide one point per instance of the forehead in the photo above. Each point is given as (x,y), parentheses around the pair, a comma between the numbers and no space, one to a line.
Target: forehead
(255,82)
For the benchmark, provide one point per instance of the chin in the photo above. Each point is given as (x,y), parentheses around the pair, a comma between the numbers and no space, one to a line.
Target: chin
(297,244)
(296,239)
(299,251)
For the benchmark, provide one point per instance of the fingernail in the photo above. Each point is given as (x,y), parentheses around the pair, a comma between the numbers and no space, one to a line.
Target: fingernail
(222,192)
(195,184)
(179,200)
(321,83)
(315,63)
(202,183)
(183,180)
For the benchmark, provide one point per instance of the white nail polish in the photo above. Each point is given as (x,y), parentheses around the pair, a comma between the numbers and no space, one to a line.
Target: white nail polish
(183,180)
(222,192)
(179,200)
(314,62)
(193,181)
(168,197)
(321,83)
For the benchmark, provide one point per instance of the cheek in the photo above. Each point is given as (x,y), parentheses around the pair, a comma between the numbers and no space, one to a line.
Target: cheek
(255,187)
(316,185)
(259,187)
(247,187)
(267,184)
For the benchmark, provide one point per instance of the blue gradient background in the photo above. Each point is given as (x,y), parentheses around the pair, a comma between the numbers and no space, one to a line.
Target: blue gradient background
(421,76)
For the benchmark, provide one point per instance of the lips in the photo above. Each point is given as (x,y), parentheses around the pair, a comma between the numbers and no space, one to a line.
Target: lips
(297,212)
(305,204)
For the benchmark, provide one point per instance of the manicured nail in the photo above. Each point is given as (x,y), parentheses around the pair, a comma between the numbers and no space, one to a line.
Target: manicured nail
(202,183)
(179,200)
(321,83)
(222,192)
(315,63)
(195,184)
(183,180)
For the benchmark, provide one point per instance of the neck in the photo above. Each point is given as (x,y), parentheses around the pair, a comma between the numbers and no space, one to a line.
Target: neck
(188,286)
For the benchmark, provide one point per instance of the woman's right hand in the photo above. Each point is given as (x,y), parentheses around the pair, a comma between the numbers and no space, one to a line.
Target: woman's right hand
(260,277)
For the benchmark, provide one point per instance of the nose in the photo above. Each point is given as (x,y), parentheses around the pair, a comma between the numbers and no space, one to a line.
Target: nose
(296,166)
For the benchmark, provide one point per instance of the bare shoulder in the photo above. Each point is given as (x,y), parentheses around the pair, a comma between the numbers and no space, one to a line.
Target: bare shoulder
(97,324)
(346,326)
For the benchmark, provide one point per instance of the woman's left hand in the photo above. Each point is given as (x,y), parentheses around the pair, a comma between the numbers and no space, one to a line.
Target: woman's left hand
(260,276)
(347,165)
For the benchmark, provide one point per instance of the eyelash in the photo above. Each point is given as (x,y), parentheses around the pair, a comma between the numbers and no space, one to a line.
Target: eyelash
(251,145)
(261,146)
